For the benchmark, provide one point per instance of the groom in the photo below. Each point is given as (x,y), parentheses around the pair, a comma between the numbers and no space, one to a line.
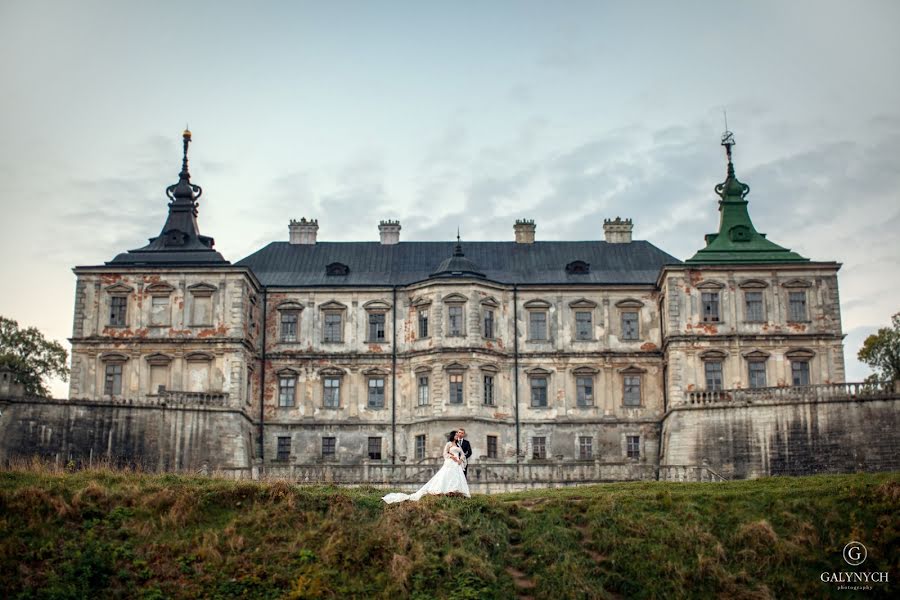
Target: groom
(466,447)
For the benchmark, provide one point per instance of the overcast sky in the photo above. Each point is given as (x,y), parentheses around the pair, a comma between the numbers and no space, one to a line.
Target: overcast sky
(468,114)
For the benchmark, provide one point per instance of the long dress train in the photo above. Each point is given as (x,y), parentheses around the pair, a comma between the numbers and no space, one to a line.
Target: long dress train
(450,478)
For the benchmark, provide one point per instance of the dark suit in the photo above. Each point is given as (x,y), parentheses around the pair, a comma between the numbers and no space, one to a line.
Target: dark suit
(466,447)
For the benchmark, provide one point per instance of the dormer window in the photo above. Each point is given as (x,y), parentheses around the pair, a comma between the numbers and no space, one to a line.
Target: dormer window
(337,269)
(578,267)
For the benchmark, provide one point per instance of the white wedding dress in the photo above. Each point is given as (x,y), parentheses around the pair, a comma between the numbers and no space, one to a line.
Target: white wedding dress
(450,478)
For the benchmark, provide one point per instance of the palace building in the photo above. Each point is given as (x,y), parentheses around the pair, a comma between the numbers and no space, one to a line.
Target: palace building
(367,353)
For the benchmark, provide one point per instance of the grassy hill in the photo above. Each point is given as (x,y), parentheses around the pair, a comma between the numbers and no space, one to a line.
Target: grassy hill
(107,534)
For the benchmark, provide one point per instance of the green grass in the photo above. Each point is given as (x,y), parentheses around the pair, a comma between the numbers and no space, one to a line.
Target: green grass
(108,534)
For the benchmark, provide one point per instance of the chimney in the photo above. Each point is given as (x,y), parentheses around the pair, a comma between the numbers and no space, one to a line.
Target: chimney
(617,231)
(303,231)
(389,232)
(524,229)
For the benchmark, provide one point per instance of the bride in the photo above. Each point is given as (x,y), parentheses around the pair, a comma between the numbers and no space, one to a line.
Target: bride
(448,480)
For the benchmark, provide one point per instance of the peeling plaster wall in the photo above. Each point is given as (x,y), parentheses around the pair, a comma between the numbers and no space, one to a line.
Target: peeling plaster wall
(687,336)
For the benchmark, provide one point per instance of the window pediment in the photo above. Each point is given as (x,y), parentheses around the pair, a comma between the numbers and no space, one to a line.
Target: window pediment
(422,369)
(377,306)
(455,366)
(582,303)
(756,355)
(753,284)
(799,354)
(376,372)
(489,368)
(713,355)
(202,289)
(198,356)
(585,370)
(537,303)
(537,372)
(159,289)
(420,302)
(114,357)
(331,372)
(710,284)
(797,283)
(490,302)
(158,358)
(287,372)
(119,288)
(629,303)
(332,305)
(632,370)
(289,305)
(455,299)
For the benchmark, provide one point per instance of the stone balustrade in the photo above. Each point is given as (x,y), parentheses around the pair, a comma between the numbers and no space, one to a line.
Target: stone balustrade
(804,393)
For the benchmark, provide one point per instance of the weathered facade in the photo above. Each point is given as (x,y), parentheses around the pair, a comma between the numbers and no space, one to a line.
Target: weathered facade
(564,361)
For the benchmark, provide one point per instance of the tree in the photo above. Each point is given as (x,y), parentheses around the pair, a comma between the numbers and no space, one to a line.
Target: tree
(31,356)
(881,351)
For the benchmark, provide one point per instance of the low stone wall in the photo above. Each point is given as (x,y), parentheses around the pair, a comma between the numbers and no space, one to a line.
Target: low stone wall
(786,435)
(153,437)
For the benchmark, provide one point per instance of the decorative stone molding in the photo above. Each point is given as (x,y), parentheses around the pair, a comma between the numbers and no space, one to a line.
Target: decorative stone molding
(585,370)
(159,289)
(756,355)
(456,366)
(632,370)
(198,357)
(289,305)
(537,304)
(537,372)
(629,303)
(158,358)
(377,306)
(490,302)
(114,357)
(489,368)
(119,288)
(713,355)
(753,284)
(583,303)
(799,354)
(332,305)
(202,289)
(454,298)
(796,283)
(710,284)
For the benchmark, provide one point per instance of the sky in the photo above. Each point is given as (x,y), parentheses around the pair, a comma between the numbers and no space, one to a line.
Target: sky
(446,115)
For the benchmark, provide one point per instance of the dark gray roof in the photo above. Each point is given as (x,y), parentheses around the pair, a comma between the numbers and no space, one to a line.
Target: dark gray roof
(372,264)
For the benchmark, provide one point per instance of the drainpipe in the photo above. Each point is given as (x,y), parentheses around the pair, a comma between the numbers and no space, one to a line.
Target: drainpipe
(516,363)
(394,379)
(262,379)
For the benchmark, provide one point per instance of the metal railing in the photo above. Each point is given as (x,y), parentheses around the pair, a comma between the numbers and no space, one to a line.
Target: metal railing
(802,393)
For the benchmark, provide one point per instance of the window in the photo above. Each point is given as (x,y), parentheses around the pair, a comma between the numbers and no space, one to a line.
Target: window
(629,325)
(538,391)
(159,377)
(201,311)
(632,392)
(489,390)
(583,325)
(376,327)
(287,385)
(423,323)
(331,396)
(489,323)
(800,372)
(633,446)
(584,386)
(537,325)
(112,385)
(420,447)
(492,446)
(757,369)
(159,311)
(710,302)
(376,392)
(284,448)
(329,445)
(713,372)
(539,448)
(333,328)
(585,448)
(118,307)
(797,306)
(289,326)
(455,321)
(753,307)
(423,390)
(375,448)
(456,388)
